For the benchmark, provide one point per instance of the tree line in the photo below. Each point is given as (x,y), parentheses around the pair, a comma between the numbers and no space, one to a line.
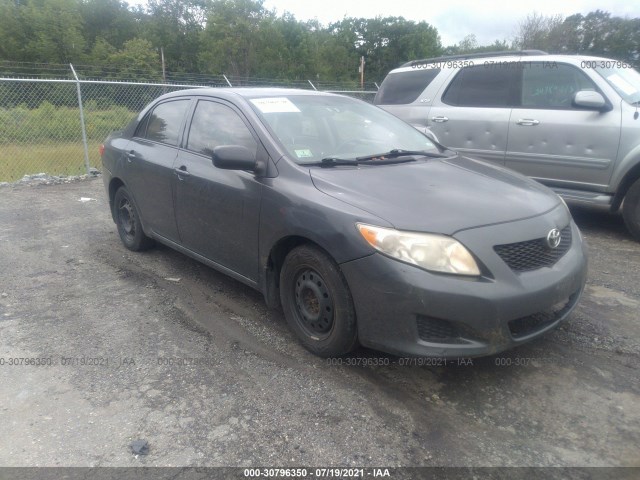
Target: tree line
(244,39)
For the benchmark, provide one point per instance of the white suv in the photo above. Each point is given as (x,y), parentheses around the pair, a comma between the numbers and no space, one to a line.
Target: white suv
(570,122)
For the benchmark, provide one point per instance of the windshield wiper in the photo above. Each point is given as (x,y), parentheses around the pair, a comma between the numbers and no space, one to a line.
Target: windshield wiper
(398,152)
(386,158)
(334,161)
(331,161)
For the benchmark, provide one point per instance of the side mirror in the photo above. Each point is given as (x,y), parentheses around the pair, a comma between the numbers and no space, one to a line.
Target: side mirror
(234,157)
(591,100)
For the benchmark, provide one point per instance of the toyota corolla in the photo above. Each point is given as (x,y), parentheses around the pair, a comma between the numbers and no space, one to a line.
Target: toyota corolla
(360,227)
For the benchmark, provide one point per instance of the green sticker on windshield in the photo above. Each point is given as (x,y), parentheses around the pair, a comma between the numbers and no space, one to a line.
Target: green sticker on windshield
(304,153)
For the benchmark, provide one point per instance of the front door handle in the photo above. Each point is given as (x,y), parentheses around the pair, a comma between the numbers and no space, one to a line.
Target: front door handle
(440,119)
(528,122)
(181,172)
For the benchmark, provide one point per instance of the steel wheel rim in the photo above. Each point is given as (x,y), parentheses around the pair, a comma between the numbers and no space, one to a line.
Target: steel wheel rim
(313,304)
(127,218)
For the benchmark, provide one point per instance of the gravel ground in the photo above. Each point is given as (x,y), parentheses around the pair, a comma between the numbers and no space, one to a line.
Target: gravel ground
(157,347)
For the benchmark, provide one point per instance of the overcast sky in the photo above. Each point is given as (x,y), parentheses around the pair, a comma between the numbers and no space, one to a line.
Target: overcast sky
(489,20)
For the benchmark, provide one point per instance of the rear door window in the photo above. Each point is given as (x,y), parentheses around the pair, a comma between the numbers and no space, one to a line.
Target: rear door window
(404,87)
(165,122)
(482,86)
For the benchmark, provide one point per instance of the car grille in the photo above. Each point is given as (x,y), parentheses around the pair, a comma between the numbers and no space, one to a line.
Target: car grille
(534,254)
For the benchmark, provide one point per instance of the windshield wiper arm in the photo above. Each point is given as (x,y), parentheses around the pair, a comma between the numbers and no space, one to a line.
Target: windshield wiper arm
(334,161)
(392,156)
(398,152)
(331,161)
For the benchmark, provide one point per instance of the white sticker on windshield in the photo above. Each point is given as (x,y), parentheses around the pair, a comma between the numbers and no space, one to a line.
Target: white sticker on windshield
(275,105)
(622,84)
(305,153)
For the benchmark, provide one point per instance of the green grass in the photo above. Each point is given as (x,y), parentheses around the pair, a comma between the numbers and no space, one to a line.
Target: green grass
(48,138)
(65,158)
(50,124)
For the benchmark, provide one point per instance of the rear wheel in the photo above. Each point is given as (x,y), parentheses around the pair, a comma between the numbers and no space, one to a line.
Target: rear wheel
(128,222)
(631,210)
(317,303)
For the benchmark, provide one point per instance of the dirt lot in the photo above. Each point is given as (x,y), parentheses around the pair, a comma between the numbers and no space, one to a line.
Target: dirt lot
(195,364)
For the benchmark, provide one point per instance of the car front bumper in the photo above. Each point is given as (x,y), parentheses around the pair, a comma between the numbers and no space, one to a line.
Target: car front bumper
(402,309)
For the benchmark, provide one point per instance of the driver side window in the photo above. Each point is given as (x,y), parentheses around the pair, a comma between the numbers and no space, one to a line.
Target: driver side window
(551,85)
(215,124)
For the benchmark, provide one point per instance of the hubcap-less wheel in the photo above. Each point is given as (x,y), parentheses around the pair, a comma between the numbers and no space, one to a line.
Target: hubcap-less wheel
(127,217)
(317,302)
(314,303)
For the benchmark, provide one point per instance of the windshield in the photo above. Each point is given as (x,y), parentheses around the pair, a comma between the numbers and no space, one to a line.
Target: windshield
(624,79)
(313,127)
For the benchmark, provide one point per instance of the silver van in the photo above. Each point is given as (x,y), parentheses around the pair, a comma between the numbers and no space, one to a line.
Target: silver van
(570,122)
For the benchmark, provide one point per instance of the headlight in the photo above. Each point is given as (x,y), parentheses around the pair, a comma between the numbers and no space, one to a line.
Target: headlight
(438,253)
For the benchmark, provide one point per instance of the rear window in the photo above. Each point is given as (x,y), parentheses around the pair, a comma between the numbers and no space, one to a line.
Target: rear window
(404,87)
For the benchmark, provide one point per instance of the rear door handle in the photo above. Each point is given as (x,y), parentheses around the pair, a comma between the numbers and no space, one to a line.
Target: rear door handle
(440,119)
(131,154)
(181,172)
(529,122)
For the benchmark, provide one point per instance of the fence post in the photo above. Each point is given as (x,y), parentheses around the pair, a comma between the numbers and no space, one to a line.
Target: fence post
(82,125)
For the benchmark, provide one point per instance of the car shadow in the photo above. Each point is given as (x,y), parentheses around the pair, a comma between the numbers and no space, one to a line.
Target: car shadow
(599,221)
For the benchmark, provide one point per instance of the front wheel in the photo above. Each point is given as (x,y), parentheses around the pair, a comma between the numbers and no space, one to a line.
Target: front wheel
(631,210)
(128,222)
(317,303)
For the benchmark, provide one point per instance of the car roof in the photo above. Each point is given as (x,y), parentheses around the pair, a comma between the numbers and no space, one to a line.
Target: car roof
(477,58)
(246,92)
(468,56)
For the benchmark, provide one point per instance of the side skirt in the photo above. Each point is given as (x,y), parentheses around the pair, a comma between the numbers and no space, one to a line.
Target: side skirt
(206,261)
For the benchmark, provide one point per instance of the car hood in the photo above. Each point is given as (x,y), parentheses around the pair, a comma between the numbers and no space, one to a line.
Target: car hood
(437,195)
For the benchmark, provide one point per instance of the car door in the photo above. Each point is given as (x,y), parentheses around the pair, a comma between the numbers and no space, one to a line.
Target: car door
(149,167)
(554,141)
(472,114)
(217,210)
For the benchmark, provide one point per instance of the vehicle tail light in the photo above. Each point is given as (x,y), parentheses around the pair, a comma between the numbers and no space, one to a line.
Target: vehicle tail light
(101,149)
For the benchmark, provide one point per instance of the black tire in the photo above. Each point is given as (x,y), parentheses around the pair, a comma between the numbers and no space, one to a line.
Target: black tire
(631,210)
(127,220)
(317,303)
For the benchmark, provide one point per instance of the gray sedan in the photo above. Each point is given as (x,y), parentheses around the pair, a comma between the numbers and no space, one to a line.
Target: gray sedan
(360,227)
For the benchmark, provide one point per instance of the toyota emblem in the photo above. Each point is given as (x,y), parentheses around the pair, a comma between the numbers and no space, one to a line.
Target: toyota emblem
(553,238)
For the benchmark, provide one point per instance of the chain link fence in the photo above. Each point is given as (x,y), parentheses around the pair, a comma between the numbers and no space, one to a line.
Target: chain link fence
(41,127)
